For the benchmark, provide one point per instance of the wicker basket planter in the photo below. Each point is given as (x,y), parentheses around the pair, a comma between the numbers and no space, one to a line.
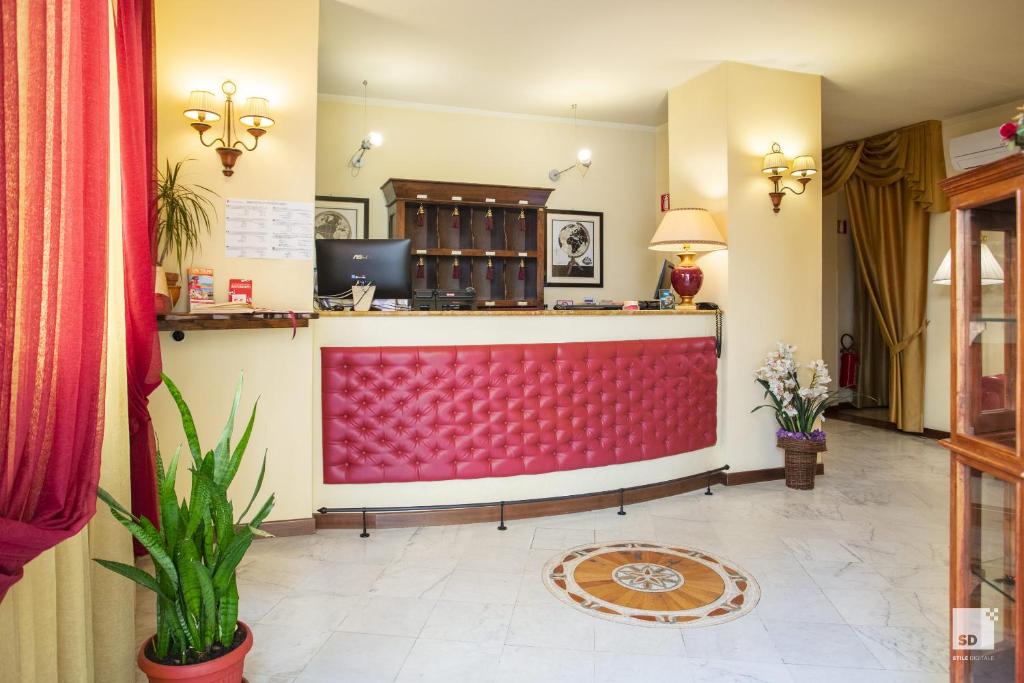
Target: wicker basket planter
(801,461)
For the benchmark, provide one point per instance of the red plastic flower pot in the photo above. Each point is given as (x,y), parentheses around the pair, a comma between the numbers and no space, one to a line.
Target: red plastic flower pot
(225,669)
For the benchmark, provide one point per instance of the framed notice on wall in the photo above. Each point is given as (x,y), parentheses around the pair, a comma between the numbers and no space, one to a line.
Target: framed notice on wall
(574,249)
(341,218)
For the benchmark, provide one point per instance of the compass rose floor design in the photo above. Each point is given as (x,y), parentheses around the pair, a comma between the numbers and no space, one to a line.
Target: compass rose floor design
(650,584)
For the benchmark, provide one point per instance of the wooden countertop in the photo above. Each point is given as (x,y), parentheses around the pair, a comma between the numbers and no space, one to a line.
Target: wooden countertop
(497,312)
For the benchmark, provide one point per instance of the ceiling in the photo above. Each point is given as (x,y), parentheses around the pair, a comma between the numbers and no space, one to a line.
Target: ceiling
(884,63)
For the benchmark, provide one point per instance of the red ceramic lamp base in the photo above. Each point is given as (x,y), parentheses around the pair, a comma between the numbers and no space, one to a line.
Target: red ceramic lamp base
(687,277)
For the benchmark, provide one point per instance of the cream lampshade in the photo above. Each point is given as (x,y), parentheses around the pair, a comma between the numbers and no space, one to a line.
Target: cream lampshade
(257,113)
(991,271)
(803,167)
(202,107)
(685,232)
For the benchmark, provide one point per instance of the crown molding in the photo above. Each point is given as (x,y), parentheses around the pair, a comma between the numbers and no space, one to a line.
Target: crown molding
(423,106)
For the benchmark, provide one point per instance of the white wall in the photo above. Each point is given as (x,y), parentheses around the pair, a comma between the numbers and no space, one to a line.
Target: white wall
(436,143)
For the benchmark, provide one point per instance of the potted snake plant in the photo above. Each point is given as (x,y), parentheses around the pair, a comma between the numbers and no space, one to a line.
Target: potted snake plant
(182,216)
(797,410)
(196,546)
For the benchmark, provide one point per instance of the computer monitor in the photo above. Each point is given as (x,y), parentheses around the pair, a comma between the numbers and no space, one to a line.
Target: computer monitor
(384,263)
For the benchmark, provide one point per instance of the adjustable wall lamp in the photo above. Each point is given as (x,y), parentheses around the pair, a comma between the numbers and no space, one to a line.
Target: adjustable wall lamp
(372,139)
(775,165)
(583,157)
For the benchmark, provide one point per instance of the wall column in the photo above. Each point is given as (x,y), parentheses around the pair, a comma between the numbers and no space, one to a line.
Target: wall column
(720,125)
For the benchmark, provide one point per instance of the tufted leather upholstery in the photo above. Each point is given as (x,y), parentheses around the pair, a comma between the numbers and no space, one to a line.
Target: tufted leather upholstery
(398,414)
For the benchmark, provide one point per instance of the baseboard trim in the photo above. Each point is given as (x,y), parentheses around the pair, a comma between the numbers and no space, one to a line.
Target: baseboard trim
(928,433)
(290,527)
(542,508)
(757,476)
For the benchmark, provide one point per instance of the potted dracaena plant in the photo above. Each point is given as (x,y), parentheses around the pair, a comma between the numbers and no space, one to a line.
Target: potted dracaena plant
(797,410)
(195,553)
(182,216)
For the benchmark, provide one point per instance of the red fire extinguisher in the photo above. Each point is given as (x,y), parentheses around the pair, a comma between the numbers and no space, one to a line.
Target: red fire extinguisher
(848,362)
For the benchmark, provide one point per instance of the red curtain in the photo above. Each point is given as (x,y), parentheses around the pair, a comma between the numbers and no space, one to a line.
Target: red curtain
(135,71)
(54,156)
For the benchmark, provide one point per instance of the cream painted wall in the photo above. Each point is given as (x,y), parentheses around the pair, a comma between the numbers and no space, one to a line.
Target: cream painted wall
(937,360)
(435,143)
(769,280)
(191,54)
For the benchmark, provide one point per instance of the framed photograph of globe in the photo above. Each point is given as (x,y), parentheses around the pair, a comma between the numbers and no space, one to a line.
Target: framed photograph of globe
(341,218)
(574,249)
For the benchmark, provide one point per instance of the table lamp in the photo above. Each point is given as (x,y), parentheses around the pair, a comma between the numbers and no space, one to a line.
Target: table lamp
(686,232)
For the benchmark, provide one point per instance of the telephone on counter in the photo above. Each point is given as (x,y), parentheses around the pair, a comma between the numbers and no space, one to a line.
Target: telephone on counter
(709,306)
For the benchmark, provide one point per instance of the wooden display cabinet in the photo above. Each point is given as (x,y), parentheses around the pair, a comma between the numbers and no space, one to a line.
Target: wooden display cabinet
(987,463)
(500,233)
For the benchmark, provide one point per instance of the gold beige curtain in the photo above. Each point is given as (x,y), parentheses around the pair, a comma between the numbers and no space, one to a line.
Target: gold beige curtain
(873,370)
(891,182)
(68,619)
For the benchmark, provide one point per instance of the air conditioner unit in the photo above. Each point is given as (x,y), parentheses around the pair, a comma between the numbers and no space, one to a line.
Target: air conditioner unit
(976,149)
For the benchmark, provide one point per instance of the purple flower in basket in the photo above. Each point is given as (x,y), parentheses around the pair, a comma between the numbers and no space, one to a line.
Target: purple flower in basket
(816,435)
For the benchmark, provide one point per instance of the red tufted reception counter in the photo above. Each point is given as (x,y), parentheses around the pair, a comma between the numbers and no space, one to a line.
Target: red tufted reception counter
(446,408)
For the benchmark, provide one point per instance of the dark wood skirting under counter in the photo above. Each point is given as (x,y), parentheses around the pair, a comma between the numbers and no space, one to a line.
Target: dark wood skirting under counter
(543,508)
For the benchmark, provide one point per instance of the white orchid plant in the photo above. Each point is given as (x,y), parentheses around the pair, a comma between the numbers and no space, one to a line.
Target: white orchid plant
(797,409)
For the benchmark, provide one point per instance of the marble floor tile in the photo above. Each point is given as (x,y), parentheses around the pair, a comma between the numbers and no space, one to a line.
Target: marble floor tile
(439,661)
(743,640)
(283,650)
(907,649)
(724,671)
(532,590)
(315,610)
(554,539)
(544,665)
(412,580)
(482,587)
(551,625)
(819,550)
(820,644)
(357,657)
(389,616)
(849,575)
(611,636)
(637,668)
(805,603)
(866,607)
(472,622)
(831,674)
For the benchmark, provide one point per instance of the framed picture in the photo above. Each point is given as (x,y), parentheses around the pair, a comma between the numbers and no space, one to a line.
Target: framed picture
(341,218)
(574,249)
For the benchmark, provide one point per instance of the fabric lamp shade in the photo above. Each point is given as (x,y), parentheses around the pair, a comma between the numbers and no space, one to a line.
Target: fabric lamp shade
(257,113)
(202,107)
(804,166)
(991,271)
(688,229)
(774,162)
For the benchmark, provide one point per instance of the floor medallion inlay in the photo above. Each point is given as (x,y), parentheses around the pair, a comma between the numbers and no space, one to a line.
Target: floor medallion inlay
(651,584)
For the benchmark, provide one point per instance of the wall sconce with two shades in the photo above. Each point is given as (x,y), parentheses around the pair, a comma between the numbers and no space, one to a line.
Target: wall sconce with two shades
(202,112)
(775,165)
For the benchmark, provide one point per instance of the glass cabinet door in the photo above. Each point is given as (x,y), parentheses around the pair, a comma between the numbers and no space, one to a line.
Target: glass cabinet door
(983,635)
(988,259)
